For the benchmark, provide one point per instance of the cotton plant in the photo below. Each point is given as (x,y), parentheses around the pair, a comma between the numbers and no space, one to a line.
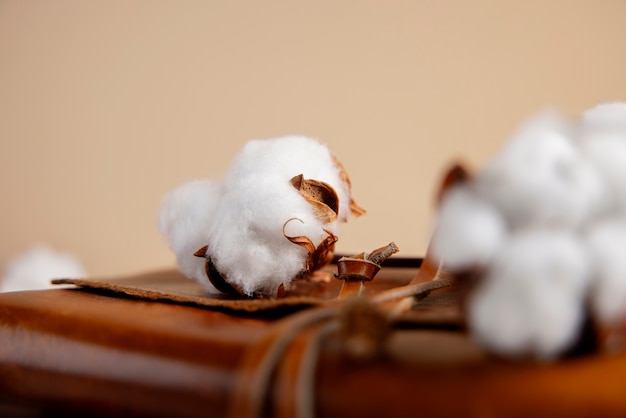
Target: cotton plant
(544,226)
(273,217)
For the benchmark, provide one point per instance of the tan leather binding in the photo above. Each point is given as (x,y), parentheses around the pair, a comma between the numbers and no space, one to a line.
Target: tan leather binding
(148,346)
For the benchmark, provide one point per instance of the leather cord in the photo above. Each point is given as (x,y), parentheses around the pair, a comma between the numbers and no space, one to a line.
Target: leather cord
(287,357)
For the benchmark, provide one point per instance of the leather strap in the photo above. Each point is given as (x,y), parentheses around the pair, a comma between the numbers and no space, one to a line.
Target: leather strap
(284,362)
(254,375)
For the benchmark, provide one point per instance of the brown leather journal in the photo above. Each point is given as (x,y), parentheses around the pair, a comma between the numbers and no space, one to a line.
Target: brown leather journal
(156,345)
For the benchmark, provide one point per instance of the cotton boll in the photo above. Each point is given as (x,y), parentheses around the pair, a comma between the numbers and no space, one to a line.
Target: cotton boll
(607,245)
(247,245)
(186,216)
(260,207)
(35,268)
(286,157)
(531,301)
(604,144)
(469,230)
(608,154)
(611,116)
(247,222)
(540,177)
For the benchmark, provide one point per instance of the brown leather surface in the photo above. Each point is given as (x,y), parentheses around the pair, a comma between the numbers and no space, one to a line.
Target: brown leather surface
(76,349)
(98,352)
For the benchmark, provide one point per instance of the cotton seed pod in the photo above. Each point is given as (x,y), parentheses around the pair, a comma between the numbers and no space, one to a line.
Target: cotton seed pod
(325,203)
(273,218)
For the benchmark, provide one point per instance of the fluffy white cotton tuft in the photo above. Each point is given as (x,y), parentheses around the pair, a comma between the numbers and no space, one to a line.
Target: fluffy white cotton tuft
(248,245)
(35,268)
(607,246)
(286,157)
(242,222)
(610,116)
(540,177)
(186,216)
(603,142)
(530,302)
(469,230)
(558,188)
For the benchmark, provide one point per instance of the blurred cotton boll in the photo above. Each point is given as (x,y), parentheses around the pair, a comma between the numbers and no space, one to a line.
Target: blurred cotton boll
(560,189)
(531,301)
(606,116)
(603,143)
(186,215)
(35,268)
(469,230)
(540,177)
(607,245)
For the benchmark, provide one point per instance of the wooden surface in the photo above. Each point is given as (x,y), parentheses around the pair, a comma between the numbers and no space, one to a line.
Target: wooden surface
(94,352)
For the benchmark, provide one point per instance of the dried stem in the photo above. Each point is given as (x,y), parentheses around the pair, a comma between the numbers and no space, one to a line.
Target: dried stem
(381,254)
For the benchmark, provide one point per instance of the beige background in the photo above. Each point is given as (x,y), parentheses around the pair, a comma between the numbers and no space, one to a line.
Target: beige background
(105,106)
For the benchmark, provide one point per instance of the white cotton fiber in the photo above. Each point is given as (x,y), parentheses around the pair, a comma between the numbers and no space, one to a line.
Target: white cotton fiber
(603,142)
(35,268)
(531,301)
(607,245)
(244,221)
(609,116)
(286,157)
(540,177)
(247,245)
(185,218)
(469,230)
(559,189)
